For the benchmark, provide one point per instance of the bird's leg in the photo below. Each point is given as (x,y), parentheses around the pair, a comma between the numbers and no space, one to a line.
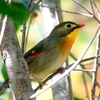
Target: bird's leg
(41,84)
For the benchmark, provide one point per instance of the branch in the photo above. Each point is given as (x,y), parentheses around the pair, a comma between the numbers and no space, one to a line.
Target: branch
(15,63)
(96,63)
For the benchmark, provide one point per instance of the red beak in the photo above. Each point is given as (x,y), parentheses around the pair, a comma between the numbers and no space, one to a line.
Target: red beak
(81,25)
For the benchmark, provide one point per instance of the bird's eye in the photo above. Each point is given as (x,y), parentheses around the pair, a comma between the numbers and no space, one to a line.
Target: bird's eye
(68,25)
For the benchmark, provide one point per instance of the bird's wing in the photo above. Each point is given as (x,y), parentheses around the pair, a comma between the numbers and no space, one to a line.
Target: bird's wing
(41,47)
(35,51)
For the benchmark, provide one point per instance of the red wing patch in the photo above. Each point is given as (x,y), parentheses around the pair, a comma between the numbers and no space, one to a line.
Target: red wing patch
(32,55)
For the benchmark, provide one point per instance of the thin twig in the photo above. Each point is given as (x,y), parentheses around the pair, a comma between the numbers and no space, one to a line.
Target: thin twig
(91,3)
(59,13)
(85,70)
(91,13)
(29,6)
(96,6)
(24,24)
(23,36)
(83,7)
(36,4)
(24,28)
(98,12)
(96,62)
(97,19)
(86,88)
(82,66)
(82,14)
(28,28)
(87,59)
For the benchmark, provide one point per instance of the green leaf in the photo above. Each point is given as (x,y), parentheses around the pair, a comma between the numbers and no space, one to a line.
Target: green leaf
(4,72)
(15,11)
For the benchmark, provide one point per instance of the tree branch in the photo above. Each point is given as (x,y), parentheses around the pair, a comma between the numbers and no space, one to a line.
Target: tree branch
(15,63)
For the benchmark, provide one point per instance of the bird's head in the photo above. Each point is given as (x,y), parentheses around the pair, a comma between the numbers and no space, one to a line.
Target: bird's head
(65,28)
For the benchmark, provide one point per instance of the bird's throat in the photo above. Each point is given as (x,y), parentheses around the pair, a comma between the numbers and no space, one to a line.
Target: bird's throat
(69,41)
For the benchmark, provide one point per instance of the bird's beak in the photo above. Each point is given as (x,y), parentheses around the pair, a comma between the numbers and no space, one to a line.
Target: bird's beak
(81,25)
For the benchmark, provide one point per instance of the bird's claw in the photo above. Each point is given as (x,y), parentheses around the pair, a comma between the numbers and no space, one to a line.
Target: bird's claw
(61,70)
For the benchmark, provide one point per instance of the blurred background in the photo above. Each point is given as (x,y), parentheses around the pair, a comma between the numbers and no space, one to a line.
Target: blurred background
(38,26)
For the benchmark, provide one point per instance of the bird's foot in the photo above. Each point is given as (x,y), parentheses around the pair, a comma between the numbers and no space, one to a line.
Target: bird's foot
(61,70)
(41,84)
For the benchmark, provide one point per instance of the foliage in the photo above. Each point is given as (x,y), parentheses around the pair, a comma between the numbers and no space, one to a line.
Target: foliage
(16,11)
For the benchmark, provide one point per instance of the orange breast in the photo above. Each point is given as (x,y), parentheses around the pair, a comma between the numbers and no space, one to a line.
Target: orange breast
(67,42)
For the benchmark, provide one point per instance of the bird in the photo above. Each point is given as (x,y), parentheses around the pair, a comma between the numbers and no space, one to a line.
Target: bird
(47,56)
